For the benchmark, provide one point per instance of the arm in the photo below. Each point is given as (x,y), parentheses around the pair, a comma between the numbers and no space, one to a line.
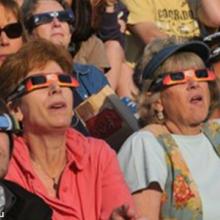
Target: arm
(143,161)
(141,19)
(147,31)
(150,196)
(208,12)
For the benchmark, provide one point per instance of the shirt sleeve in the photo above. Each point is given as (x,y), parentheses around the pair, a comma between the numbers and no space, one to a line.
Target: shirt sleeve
(140,10)
(142,160)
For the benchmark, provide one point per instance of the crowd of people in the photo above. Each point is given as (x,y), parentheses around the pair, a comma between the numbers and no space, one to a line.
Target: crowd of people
(160,59)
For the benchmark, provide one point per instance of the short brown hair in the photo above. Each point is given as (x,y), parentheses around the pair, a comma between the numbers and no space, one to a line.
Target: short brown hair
(34,54)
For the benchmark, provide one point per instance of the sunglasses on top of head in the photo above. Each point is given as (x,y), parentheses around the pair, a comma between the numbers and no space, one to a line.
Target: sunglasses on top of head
(199,75)
(13,30)
(44,18)
(40,81)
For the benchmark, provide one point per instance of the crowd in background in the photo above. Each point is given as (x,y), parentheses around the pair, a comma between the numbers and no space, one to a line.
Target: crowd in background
(158,64)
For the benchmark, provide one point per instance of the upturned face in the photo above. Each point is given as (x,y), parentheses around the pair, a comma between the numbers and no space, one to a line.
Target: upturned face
(55,31)
(47,109)
(186,105)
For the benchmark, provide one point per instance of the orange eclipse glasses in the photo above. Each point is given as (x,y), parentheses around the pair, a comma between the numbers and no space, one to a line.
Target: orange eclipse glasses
(40,81)
(180,77)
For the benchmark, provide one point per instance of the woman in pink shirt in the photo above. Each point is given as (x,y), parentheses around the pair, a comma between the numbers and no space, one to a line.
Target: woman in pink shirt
(78,177)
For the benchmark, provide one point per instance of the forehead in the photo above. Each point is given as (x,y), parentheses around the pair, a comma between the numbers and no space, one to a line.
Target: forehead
(182,61)
(48,5)
(6,16)
(50,67)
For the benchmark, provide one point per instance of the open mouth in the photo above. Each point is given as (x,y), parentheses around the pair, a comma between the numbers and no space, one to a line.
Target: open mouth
(58,34)
(57,106)
(196,99)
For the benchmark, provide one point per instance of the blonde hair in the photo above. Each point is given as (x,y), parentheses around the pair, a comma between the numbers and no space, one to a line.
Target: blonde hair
(176,62)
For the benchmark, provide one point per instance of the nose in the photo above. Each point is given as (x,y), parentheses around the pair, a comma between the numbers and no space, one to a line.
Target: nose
(56,22)
(4,40)
(192,83)
(54,88)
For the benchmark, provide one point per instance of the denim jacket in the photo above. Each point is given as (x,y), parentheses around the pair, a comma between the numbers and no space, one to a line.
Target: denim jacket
(91,80)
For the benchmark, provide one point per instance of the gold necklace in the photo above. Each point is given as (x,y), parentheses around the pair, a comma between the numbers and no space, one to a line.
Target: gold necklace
(55,179)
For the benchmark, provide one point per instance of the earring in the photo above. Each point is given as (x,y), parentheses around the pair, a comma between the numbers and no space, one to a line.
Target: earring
(160,115)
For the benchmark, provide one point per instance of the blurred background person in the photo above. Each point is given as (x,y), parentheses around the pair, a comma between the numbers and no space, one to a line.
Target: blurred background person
(213,41)
(162,162)
(148,20)
(12,33)
(109,20)
(86,47)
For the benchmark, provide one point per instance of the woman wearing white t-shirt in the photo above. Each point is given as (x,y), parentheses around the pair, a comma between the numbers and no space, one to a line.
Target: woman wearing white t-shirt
(171,165)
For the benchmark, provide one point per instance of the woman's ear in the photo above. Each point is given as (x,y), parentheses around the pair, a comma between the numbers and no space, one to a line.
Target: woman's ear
(158,106)
(15,110)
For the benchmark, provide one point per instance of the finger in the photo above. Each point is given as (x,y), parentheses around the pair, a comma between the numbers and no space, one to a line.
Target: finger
(116,215)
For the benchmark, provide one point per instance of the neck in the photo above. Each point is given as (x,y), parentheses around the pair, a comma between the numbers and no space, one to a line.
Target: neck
(48,150)
(183,129)
(48,158)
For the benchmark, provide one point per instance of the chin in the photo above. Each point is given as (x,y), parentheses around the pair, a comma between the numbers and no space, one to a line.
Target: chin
(61,125)
(58,41)
(198,120)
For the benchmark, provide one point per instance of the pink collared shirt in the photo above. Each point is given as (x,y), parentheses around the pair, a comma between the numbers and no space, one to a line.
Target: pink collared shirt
(91,185)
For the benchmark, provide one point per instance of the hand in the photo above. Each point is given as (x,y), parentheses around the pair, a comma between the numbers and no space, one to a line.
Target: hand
(124,212)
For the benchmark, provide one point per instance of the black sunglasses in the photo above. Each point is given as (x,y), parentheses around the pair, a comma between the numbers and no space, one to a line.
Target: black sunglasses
(13,30)
(44,18)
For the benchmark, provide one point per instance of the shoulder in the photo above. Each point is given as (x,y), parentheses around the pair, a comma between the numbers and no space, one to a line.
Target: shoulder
(92,147)
(140,143)
(142,160)
(142,137)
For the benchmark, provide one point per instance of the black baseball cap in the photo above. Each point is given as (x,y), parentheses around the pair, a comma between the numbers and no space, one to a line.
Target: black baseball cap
(197,47)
